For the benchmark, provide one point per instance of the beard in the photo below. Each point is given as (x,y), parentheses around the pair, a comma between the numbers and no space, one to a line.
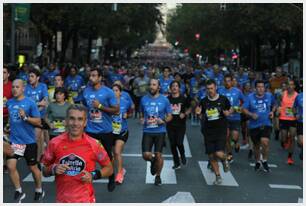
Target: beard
(153,92)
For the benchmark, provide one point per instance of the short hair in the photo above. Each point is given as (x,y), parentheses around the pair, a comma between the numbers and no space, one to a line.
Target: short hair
(78,107)
(210,82)
(118,86)
(177,74)
(34,71)
(166,67)
(155,80)
(59,75)
(259,82)
(173,82)
(100,72)
(73,67)
(6,67)
(228,76)
(61,90)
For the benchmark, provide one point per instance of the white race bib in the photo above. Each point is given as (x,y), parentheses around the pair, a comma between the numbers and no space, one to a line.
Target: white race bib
(19,149)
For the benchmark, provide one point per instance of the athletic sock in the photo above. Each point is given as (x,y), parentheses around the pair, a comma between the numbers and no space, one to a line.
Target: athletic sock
(19,189)
(39,190)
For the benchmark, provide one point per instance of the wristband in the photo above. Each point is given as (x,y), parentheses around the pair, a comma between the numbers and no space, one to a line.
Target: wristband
(96,174)
(100,106)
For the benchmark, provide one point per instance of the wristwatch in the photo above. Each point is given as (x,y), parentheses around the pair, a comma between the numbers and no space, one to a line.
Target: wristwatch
(25,118)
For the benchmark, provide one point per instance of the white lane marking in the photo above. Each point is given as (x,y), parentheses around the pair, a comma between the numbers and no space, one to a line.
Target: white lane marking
(293,187)
(300,200)
(270,165)
(29,178)
(180,197)
(209,176)
(187,148)
(167,175)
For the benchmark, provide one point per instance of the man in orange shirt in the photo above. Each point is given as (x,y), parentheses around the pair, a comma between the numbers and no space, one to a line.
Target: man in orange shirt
(277,81)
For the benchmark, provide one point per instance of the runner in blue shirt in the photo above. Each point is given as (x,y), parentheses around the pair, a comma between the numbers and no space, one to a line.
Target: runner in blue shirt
(38,92)
(235,97)
(260,106)
(298,110)
(165,81)
(241,77)
(101,103)
(155,112)
(74,84)
(126,96)
(120,130)
(48,76)
(24,115)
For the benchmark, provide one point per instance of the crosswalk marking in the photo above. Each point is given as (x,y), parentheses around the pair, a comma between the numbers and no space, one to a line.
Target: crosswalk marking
(180,197)
(29,178)
(277,186)
(270,165)
(167,175)
(227,178)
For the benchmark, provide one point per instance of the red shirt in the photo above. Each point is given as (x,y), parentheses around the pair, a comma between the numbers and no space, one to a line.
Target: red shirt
(79,155)
(7,94)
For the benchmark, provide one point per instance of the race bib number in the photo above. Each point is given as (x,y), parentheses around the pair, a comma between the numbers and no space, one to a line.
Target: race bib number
(289,112)
(152,122)
(212,114)
(19,149)
(116,127)
(95,115)
(176,109)
(59,126)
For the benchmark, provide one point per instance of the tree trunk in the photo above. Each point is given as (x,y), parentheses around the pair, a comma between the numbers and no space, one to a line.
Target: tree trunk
(89,48)
(75,47)
(65,44)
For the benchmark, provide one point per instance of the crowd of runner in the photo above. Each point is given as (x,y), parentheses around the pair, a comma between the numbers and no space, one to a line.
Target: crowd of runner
(64,119)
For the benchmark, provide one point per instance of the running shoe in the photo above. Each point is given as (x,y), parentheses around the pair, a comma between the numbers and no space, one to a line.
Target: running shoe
(153,169)
(111,185)
(230,158)
(237,147)
(176,166)
(257,166)
(157,180)
(183,160)
(39,196)
(226,166)
(120,176)
(290,161)
(265,166)
(18,196)
(218,180)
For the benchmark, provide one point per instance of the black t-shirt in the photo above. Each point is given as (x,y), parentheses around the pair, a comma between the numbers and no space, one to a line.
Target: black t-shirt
(212,114)
(178,105)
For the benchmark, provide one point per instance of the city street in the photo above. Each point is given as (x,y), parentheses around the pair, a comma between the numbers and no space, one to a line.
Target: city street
(192,183)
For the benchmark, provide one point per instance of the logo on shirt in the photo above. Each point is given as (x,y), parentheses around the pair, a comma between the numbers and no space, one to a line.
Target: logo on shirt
(76,164)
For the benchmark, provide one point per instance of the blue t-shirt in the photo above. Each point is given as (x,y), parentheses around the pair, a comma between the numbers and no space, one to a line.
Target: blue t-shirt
(119,123)
(154,108)
(99,121)
(194,87)
(23,76)
(219,79)
(74,84)
(125,95)
(48,77)
(37,94)
(209,73)
(235,96)
(242,79)
(262,107)
(112,77)
(165,84)
(298,104)
(22,132)
(182,88)
(202,93)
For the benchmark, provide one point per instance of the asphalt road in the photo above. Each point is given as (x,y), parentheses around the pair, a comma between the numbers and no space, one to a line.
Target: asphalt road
(191,183)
